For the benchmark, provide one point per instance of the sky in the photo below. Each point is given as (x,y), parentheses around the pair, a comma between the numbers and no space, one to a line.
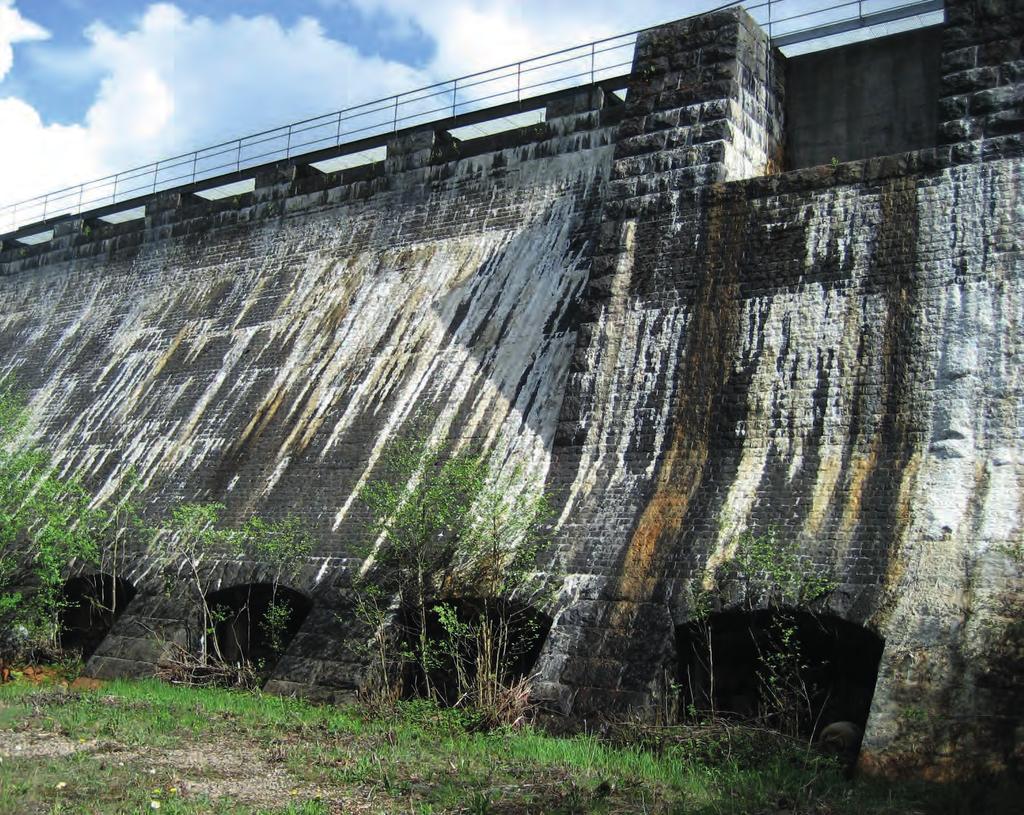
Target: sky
(89,87)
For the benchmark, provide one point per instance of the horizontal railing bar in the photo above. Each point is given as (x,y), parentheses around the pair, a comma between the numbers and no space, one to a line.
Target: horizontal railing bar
(476,100)
(314,127)
(868,20)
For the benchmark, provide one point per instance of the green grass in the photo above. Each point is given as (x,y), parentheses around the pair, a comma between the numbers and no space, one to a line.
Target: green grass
(194,750)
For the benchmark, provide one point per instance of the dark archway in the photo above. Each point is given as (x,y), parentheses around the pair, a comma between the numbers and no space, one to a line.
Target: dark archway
(525,629)
(789,669)
(91,604)
(255,622)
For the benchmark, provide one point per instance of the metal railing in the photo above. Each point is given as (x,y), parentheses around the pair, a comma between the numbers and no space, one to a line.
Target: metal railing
(789,22)
(571,67)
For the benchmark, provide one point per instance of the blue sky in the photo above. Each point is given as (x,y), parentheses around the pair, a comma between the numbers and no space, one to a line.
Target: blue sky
(65,95)
(88,87)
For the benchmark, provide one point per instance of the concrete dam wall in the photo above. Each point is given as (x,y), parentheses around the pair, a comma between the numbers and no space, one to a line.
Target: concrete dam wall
(637,302)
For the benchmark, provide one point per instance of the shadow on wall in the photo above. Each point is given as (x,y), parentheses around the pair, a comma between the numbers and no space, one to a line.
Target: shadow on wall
(255,622)
(92,604)
(795,671)
(476,338)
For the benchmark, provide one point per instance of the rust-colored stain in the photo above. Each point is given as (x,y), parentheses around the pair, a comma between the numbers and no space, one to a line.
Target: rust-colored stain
(711,339)
(825,483)
(896,566)
(862,466)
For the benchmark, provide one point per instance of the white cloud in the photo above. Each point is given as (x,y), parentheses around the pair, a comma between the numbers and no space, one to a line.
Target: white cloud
(15,28)
(173,83)
(475,35)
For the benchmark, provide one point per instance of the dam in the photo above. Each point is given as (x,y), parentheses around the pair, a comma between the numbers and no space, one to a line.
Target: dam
(717,292)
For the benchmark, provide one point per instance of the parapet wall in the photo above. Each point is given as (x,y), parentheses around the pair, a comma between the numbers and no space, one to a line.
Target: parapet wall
(634,303)
(872,98)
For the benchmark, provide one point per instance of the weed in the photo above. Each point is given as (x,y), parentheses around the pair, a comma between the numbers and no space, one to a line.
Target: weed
(479,804)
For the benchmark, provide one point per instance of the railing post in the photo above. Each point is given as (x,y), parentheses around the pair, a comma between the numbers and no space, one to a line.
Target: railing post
(156,174)
(195,158)
(592,54)
(337,138)
(288,144)
(81,190)
(113,195)
(46,200)
(519,82)
(455,93)
(394,124)
(238,156)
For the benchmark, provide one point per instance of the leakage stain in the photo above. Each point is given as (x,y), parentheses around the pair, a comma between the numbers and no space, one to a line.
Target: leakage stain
(897,564)
(824,488)
(143,387)
(860,469)
(312,411)
(713,335)
(261,418)
(887,476)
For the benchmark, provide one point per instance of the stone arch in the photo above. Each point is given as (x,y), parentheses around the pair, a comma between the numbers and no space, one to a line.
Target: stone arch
(241,631)
(91,604)
(725,660)
(528,624)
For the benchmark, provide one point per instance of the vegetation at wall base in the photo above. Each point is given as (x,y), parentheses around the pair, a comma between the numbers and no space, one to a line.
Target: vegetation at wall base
(52,528)
(125,745)
(452,599)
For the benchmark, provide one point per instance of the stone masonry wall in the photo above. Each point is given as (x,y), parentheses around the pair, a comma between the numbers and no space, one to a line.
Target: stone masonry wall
(830,354)
(637,306)
(262,352)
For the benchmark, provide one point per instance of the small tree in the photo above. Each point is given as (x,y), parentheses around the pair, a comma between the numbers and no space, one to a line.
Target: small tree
(282,546)
(65,528)
(123,530)
(420,513)
(496,567)
(776,580)
(195,532)
(192,533)
(46,523)
(456,552)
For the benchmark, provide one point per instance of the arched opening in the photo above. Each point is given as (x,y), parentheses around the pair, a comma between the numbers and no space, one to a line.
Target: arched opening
(91,603)
(254,622)
(791,670)
(502,637)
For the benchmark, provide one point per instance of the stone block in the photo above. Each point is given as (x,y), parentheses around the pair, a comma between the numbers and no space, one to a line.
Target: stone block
(996,99)
(587,99)
(972,79)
